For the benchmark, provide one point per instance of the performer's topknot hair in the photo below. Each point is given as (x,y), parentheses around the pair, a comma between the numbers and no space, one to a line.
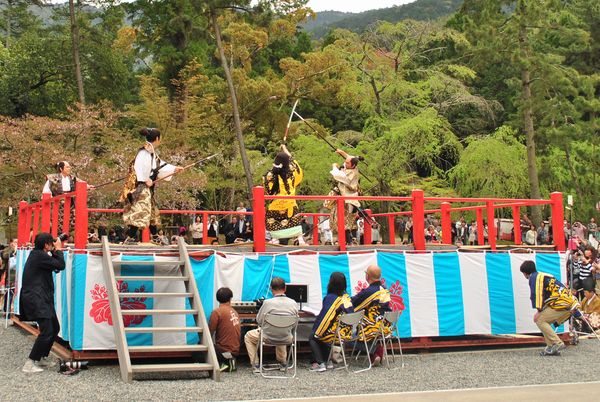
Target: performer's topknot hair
(151,134)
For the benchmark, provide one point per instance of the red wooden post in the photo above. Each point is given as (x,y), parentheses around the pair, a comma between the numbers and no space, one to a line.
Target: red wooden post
(315,230)
(516,211)
(28,214)
(46,212)
(36,221)
(392,228)
(558,216)
(480,227)
(81,215)
(258,218)
(145,235)
(367,229)
(340,224)
(55,206)
(418,212)
(23,230)
(67,215)
(204,228)
(491,224)
(446,223)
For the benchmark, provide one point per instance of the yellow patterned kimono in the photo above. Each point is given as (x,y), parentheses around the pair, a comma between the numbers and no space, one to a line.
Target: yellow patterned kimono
(327,321)
(375,300)
(282,216)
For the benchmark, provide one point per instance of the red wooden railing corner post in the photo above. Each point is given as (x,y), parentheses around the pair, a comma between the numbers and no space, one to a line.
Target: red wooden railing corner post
(145,235)
(558,216)
(480,227)
(340,205)
(315,234)
(392,228)
(23,231)
(446,223)
(81,215)
(367,229)
(516,211)
(204,228)
(418,209)
(46,212)
(491,224)
(258,218)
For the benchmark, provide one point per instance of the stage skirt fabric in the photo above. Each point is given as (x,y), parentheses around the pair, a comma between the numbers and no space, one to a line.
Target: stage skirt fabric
(439,294)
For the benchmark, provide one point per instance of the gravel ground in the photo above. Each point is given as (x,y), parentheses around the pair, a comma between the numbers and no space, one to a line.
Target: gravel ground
(471,369)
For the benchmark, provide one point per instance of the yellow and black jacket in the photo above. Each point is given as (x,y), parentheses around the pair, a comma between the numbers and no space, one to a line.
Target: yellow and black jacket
(547,291)
(327,321)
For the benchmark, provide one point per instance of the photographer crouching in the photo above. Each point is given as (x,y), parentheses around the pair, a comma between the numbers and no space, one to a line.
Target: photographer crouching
(37,298)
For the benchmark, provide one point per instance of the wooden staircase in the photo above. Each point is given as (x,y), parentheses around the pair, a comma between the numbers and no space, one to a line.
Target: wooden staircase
(182,274)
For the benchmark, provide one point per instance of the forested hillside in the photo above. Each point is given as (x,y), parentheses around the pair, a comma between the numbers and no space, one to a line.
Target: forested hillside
(420,10)
(498,99)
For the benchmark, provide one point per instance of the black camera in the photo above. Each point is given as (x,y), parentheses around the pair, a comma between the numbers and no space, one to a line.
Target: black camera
(63,237)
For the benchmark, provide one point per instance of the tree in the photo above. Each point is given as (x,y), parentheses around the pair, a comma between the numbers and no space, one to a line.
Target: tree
(75,49)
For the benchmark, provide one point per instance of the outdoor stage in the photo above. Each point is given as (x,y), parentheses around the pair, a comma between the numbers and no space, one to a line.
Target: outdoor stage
(447,298)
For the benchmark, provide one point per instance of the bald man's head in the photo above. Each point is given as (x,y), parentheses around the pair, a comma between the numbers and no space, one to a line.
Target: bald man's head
(373,274)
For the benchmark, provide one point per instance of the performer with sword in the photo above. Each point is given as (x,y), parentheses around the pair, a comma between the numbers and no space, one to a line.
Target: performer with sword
(140,209)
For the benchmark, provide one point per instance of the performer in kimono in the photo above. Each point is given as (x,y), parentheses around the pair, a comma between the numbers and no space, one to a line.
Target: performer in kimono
(554,304)
(282,216)
(375,301)
(140,209)
(61,182)
(346,179)
(324,329)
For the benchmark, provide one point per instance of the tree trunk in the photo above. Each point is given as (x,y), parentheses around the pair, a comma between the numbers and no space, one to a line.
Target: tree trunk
(8,22)
(75,45)
(234,103)
(527,111)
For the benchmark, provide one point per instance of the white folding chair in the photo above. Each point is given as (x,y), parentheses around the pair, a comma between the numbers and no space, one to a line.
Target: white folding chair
(283,323)
(391,318)
(354,332)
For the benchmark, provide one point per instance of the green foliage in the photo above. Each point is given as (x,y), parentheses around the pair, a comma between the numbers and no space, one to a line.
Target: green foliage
(492,166)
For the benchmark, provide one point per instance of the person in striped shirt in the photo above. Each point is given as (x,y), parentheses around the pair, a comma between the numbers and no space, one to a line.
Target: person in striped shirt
(554,303)
(335,303)
(584,263)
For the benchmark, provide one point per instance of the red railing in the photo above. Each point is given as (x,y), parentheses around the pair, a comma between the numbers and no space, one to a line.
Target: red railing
(43,215)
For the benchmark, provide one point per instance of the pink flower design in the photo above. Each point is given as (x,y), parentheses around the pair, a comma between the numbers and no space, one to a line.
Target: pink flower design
(360,286)
(396,301)
(100,310)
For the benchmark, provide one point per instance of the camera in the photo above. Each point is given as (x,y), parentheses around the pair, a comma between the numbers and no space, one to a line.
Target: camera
(63,237)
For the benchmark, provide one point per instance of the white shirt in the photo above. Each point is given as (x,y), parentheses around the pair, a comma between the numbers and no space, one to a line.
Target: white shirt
(325,225)
(66,185)
(145,162)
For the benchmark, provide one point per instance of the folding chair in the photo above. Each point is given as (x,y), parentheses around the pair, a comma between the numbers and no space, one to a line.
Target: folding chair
(386,340)
(354,332)
(283,323)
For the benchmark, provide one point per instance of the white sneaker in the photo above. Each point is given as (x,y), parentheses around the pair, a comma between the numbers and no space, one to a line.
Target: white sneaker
(47,362)
(317,367)
(31,367)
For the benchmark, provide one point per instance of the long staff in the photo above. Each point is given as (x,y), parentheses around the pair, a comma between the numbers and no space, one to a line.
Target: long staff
(187,167)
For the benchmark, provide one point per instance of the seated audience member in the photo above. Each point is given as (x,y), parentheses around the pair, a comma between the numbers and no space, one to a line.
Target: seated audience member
(214,242)
(280,304)
(224,324)
(335,303)
(375,301)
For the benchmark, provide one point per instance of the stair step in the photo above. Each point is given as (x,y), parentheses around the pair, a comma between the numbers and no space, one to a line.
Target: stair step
(152,278)
(162,329)
(157,368)
(150,294)
(154,311)
(147,263)
(168,348)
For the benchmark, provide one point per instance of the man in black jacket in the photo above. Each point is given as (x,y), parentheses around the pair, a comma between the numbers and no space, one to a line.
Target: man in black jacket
(37,298)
